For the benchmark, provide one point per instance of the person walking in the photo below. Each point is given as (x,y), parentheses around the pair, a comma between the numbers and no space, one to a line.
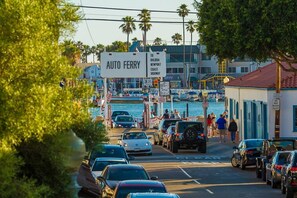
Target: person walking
(209,126)
(233,129)
(221,126)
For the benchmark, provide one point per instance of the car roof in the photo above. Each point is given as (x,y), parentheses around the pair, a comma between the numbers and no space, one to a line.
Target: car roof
(153,194)
(104,159)
(107,146)
(125,166)
(141,183)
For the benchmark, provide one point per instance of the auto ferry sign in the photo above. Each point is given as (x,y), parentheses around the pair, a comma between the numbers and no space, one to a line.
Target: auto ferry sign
(133,64)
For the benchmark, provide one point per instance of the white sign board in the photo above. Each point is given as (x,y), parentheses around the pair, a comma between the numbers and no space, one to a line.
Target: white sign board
(164,88)
(133,64)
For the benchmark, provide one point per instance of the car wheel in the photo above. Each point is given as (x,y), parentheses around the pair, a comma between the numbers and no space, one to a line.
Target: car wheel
(272,182)
(258,173)
(163,143)
(202,148)
(289,193)
(283,188)
(168,145)
(234,161)
(160,142)
(242,166)
(174,147)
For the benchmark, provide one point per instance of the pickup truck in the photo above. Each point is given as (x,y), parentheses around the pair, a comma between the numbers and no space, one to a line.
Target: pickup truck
(269,147)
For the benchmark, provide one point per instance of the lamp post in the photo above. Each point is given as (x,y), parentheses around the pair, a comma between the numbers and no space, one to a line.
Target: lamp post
(205,106)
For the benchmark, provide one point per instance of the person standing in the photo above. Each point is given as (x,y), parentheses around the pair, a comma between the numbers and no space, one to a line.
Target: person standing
(233,129)
(209,125)
(221,126)
(176,114)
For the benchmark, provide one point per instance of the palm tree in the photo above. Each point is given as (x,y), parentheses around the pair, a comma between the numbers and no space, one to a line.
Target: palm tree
(176,38)
(127,27)
(191,27)
(99,49)
(182,12)
(93,52)
(145,25)
(71,51)
(158,41)
(85,53)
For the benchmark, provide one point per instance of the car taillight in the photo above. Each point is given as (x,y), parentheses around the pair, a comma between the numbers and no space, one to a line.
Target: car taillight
(177,135)
(202,134)
(249,152)
(293,169)
(278,167)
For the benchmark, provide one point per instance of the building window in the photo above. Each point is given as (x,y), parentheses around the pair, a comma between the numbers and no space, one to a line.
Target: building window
(244,69)
(205,70)
(232,69)
(295,118)
(174,70)
(192,70)
(169,70)
(180,70)
(205,57)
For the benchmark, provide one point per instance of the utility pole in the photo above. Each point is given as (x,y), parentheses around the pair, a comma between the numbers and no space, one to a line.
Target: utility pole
(277,101)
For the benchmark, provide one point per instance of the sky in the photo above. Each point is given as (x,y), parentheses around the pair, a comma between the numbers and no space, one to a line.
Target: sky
(106,32)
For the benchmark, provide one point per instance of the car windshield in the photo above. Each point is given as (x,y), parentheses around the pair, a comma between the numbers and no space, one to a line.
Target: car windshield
(109,152)
(124,191)
(119,174)
(134,135)
(124,119)
(100,165)
(116,113)
(255,143)
(282,158)
(168,123)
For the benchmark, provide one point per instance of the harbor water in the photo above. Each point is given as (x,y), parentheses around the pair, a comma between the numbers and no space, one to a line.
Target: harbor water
(194,108)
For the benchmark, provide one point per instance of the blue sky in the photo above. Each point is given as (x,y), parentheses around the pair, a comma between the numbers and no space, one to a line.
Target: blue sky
(103,32)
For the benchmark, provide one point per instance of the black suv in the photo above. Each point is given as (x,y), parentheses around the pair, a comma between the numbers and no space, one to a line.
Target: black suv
(163,126)
(188,135)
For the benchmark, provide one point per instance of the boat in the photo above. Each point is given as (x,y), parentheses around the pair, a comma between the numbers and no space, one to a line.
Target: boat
(175,97)
(193,96)
(126,99)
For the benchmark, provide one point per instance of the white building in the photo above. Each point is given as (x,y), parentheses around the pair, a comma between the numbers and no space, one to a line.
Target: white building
(251,100)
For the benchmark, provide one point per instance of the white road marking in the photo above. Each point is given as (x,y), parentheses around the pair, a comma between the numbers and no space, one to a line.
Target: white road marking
(185,172)
(209,191)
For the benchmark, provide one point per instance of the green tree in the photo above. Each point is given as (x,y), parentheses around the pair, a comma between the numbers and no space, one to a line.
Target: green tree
(85,53)
(71,51)
(176,38)
(117,46)
(145,25)
(35,111)
(158,41)
(99,49)
(257,29)
(128,27)
(183,11)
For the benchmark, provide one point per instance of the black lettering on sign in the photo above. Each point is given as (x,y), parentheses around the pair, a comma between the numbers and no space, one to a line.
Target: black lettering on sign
(155,64)
(155,59)
(155,73)
(113,65)
(131,64)
(154,69)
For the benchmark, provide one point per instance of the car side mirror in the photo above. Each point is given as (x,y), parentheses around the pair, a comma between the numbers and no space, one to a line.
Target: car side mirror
(149,137)
(154,178)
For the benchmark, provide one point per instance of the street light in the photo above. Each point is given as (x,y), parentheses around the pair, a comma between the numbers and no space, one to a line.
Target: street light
(205,106)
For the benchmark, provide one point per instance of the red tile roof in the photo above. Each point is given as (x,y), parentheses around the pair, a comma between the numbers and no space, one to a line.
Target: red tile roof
(265,77)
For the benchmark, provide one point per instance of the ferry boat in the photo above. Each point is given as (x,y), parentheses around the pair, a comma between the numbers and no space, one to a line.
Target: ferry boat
(193,96)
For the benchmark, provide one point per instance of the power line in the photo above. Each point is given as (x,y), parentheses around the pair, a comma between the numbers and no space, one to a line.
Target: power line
(88,26)
(128,9)
(137,21)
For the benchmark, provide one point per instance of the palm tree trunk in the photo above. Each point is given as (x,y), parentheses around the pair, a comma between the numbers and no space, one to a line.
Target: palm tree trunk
(184,55)
(191,56)
(128,42)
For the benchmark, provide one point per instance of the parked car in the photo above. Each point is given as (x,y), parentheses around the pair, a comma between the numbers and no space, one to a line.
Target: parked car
(101,162)
(136,142)
(167,137)
(289,175)
(113,174)
(163,125)
(124,121)
(85,177)
(153,194)
(274,167)
(188,135)
(246,152)
(131,186)
(116,113)
(269,147)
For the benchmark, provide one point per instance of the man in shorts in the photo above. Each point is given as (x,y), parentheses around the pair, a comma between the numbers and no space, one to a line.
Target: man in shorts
(221,126)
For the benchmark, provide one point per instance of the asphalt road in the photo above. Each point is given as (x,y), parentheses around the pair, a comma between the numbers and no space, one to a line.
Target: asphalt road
(191,174)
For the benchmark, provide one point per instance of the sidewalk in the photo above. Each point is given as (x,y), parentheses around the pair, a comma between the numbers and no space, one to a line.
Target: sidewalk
(223,149)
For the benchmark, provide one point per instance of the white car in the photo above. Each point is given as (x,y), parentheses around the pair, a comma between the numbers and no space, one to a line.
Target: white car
(136,142)
(101,162)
